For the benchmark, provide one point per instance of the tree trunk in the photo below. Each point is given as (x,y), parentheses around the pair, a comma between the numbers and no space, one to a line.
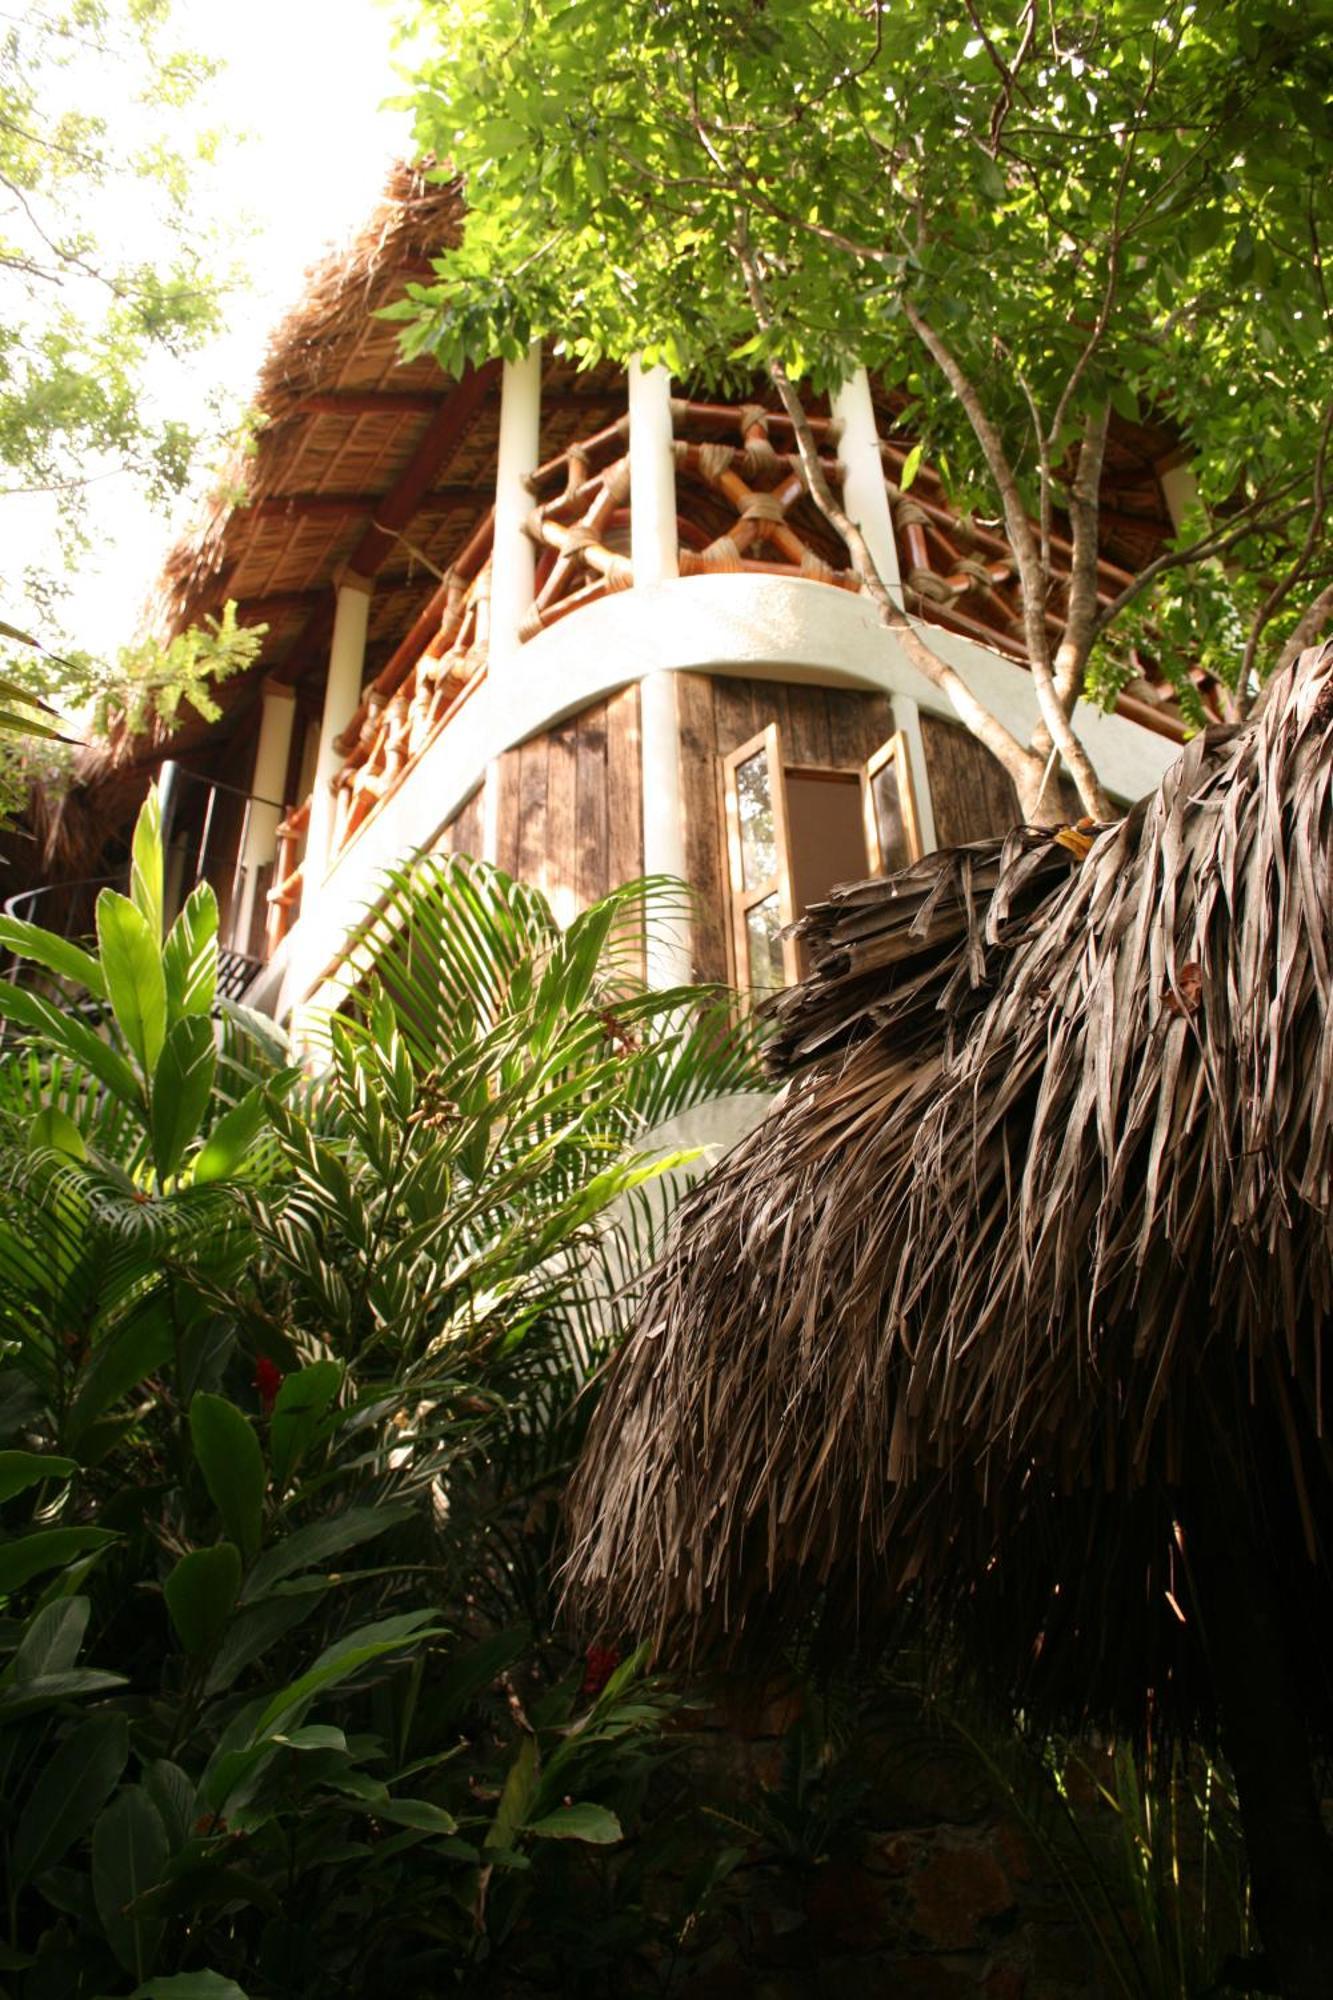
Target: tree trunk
(1268,1747)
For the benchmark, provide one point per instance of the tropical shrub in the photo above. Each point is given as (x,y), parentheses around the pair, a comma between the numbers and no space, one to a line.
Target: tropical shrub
(291,1372)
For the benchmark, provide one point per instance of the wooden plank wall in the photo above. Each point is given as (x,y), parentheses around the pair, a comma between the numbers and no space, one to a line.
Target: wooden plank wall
(570,808)
(463,834)
(971,794)
(820,725)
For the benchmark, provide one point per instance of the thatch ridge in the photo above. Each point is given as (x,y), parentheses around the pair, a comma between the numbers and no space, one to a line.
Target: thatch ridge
(1039,1234)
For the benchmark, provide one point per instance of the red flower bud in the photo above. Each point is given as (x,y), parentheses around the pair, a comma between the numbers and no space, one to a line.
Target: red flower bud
(268,1380)
(600,1663)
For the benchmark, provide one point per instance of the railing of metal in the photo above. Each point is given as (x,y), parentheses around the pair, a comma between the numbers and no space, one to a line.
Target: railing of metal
(206,838)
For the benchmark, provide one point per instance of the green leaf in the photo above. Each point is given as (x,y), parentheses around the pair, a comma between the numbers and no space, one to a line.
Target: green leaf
(71,1038)
(120,1360)
(317,1542)
(516,1800)
(172,1792)
(132,962)
(300,1405)
(51,1131)
(182,1085)
(71,1790)
(201,1594)
(230,1140)
(21,1469)
(418,1813)
(233,1467)
(130,1851)
(146,865)
(341,1660)
(57,954)
(49,1548)
(190,956)
(190,1986)
(54,1690)
(579,1822)
(52,1640)
(911,466)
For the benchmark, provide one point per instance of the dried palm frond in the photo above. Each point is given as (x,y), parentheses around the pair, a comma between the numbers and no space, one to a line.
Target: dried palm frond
(1023,1282)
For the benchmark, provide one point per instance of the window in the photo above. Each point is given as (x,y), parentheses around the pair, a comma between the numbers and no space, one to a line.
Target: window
(796,830)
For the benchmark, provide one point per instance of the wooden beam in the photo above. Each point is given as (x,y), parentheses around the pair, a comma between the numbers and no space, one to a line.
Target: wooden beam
(373,402)
(278,603)
(435,447)
(336,506)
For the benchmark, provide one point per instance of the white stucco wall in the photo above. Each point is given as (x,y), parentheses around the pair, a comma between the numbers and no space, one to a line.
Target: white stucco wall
(771,627)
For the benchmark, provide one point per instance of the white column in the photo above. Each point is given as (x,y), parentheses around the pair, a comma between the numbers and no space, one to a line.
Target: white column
(670,960)
(907,721)
(342,692)
(864,494)
(1180,490)
(514,561)
(266,784)
(652,476)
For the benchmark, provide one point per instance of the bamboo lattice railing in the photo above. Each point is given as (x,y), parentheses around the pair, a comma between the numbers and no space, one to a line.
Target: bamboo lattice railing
(742,507)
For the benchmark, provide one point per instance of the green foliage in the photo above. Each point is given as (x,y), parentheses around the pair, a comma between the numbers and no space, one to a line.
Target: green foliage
(1127,206)
(290,1373)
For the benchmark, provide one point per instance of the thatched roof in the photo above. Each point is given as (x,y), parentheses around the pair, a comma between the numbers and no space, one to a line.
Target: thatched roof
(1035,1250)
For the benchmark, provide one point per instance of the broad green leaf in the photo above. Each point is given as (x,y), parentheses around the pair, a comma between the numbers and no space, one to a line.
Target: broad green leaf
(50,1548)
(132,961)
(190,1986)
(233,1467)
(21,1469)
(130,1851)
(340,1661)
(51,1131)
(201,1595)
(911,466)
(146,869)
(71,1037)
(57,954)
(301,1403)
(418,1813)
(190,955)
(318,1541)
(172,1792)
(579,1822)
(71,1790)
(55,1691)
(182,1085)
(119,1362)
(254,1630)
(516,1800)
(52,1641)
(230,1139)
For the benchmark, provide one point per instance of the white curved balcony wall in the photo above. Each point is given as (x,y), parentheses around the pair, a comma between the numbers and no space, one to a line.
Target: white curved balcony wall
(767,627)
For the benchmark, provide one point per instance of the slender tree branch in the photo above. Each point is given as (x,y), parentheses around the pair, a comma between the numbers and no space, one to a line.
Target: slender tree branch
(1308,629)
(1032,581)
(1003,746)
(1300,563)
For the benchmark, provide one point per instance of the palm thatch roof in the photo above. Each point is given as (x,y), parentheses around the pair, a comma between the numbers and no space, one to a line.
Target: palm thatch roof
(1025,1277)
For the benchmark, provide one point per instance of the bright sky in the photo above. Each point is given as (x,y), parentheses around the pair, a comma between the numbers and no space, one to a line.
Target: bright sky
(302,89)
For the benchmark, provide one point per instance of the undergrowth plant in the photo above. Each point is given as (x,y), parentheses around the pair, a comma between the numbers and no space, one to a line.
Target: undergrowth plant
(290,1374)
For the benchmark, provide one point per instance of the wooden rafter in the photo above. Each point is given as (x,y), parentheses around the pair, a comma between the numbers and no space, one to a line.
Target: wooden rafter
(436,446)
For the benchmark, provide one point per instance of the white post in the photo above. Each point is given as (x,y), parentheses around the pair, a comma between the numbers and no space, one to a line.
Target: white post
(670,958)
(864,494)
(342,692)
(907,721)
(514,561)
(266,796)
(652,476)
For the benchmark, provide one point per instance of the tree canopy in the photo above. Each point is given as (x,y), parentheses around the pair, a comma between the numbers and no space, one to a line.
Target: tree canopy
(107,261)
(1027,217)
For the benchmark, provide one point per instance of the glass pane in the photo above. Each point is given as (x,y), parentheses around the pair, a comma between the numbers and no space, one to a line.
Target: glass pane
(754,803)
(889,817)
(763,924)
